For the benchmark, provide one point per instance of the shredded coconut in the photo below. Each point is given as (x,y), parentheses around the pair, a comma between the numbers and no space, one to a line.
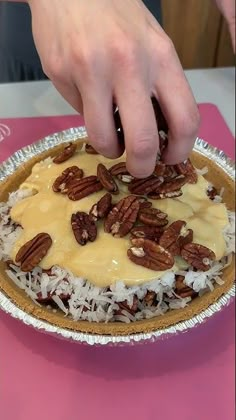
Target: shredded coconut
(79,299)
(202,171)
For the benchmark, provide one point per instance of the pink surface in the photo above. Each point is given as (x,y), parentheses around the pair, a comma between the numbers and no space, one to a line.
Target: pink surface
(187,377)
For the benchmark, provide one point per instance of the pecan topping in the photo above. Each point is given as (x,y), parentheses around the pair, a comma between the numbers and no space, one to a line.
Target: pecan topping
(175,237)
(150,298)
(90,149)
(170,172)
(81,188)
(198,256)
(152,217)
(30,254)
(122,217)
(212,192)
(174,184)
(187,169)
(126,179)
(131,309)
(106,179)
(62,182)
(66,154)
(144,204)
(160,169)
(172,194)
(101,208)
(83,227)
(145,186)
(119,169)
(181,289)
(48,299)
(169,189)
(150,255)
(153,233)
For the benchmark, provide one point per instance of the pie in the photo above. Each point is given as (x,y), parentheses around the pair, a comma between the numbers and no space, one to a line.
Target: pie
(85,246)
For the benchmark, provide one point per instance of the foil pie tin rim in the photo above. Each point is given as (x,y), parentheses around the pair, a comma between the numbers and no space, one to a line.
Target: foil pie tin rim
(9,166)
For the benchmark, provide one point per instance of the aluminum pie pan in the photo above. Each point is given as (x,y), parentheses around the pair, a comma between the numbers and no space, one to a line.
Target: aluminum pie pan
(26,153)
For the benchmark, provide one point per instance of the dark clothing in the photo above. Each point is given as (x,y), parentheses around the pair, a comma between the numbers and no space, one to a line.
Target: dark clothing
(19,59)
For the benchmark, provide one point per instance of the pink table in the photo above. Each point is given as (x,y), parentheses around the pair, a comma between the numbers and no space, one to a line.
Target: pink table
(187,377)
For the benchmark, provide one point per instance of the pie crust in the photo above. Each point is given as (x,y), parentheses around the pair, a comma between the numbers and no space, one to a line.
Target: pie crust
(215,175)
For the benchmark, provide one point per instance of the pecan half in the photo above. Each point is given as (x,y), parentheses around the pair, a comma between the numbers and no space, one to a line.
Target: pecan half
(174,184)
(144,204)
(198,256)
(172,194)
(160,169)
(90,149)
(106,179)
(152,233)
(163,142)
(131,309)
(81,188)
(83,227)
(101,208)
(169,188)
(145,186)
(150,298)
(150,255)
(65,154)
(187,169)
(212,192)
(122,217)
(181,289)
(30,254)
(170,172)
(152,217)
(62,182)
(48,299)
(175,237)
(119,169)
(126,179)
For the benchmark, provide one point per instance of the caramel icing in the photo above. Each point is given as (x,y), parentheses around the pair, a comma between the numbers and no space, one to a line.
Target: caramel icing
(105,261)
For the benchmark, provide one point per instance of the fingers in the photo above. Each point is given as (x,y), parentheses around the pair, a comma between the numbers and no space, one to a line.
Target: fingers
(96,107)
(140,128)
(71,94)
(99,122)
(180,110)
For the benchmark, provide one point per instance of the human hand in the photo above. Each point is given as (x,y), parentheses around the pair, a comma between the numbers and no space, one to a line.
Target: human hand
(227,8)
(101,52)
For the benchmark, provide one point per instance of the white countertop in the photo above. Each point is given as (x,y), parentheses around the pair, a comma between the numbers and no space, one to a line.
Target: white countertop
(30,99)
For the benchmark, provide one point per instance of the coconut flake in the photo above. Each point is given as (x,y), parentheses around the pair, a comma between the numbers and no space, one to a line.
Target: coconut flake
(202,171)
(94,304)
(60,303)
